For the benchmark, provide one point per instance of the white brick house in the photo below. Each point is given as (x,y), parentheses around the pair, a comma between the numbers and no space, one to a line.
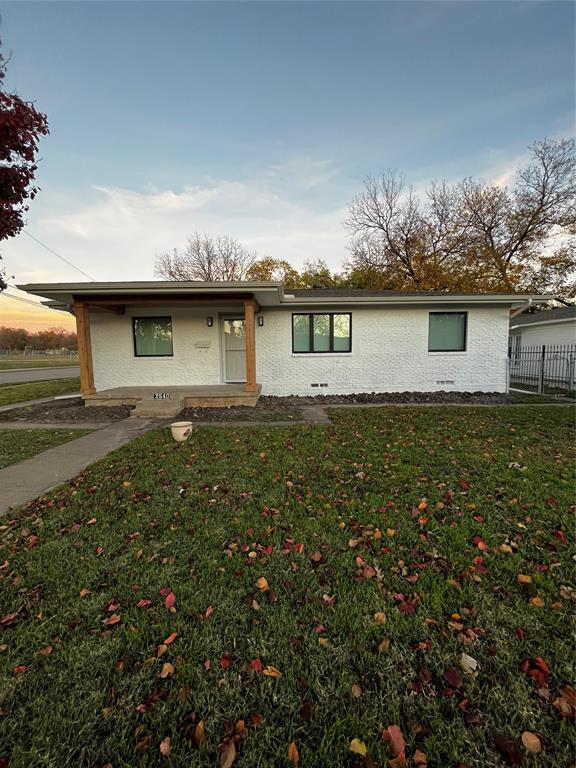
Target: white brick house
(257,338)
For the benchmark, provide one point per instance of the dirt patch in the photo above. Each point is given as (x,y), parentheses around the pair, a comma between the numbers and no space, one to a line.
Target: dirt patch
(66,410)
(495,398)
(262,411)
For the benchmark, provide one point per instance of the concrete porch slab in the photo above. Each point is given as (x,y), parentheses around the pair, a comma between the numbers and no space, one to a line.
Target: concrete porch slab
(174,398)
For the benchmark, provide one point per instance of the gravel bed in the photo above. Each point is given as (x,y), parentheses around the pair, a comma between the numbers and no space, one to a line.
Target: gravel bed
(72,409)
(496,398)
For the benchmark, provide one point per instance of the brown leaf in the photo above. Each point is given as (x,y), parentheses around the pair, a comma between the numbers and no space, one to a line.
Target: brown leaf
(167,670)
(111,620)
(531,742)
(356,691)
(165,746)
(509,750)
(199,733)
(46,651)
(293,755)
(262,584)
(226,753)
(270,671)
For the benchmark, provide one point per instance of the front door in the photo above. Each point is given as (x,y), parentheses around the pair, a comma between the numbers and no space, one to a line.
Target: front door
(234,350)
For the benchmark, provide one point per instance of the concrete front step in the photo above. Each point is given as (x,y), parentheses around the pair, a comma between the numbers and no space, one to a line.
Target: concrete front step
(157,409)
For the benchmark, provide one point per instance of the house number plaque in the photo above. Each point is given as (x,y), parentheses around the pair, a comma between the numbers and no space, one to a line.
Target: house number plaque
(162,395)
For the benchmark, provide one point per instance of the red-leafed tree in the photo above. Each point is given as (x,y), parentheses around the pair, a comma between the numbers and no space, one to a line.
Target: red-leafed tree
(21,126)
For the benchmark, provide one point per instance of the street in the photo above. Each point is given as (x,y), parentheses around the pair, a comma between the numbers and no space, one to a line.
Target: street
(38,374)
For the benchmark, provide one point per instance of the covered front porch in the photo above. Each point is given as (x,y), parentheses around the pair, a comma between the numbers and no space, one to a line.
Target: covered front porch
(153,401)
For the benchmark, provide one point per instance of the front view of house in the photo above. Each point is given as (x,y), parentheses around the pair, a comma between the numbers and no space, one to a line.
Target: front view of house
(223,343)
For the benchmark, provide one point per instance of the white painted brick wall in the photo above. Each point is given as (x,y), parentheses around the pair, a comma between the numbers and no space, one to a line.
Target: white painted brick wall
(389,354)
(115,364)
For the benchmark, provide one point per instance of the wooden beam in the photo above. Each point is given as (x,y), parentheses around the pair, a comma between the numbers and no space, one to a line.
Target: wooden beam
(250,328)
(82,315)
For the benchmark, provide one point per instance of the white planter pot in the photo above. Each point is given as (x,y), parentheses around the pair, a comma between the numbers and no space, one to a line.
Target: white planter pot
(181,430)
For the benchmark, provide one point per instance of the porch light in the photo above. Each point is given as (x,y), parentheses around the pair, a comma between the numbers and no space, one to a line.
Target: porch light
(209,321)
(260,320)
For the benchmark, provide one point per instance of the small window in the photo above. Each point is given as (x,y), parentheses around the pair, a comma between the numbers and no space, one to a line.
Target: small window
(322,333)
(152,336)
(447,332)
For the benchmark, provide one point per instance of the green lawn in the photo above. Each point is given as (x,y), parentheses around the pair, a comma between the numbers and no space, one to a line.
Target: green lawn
(18,393)
(9,362)
(19,444)
(155,598)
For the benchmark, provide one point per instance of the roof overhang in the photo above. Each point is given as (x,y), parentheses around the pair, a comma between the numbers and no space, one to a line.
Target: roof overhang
(513,301)
(266,294)
(61,295)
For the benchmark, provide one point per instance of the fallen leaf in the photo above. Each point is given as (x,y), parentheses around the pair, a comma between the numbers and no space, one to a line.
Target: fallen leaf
(394,738)
(170,600)
(199,733)
(469,665)
(85,592)
(358,747)
(537,602)
(226,661)
(144,603)
(262,584)
(509,750)
(226,753)
(420,759)
(167,670)
(356,691)
(111,620)
(270,671)
(380,618)
(524,578)
(46,651)
(293,755)
(170,639)
(165,746)
(531,742)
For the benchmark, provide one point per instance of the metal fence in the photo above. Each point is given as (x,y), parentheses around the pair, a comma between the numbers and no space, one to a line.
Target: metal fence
(547,369)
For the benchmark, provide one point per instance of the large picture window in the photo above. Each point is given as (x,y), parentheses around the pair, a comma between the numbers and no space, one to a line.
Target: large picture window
(447,332)
(328,332)
(152,336)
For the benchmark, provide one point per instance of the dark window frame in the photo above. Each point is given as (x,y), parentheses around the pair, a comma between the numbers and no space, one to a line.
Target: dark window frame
(151,317)
(450,312)
(330,350)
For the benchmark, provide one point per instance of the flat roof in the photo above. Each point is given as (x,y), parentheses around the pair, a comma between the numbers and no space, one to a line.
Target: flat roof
(273,293)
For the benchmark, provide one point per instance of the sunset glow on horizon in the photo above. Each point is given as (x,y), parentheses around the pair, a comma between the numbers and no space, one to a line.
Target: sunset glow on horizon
(16,314)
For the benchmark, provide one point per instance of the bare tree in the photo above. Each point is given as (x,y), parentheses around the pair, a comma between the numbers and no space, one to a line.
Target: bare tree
(211,259)
(471,235)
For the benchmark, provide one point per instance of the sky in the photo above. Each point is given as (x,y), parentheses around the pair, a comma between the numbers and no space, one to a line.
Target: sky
(260,120)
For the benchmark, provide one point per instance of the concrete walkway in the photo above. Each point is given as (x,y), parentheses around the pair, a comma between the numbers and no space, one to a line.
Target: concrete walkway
(54,424)
(24,403)
(34,477)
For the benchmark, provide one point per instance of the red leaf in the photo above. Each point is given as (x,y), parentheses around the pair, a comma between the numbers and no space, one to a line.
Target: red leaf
(8,619)
(170,639)
(144,603)
(256,665)
(226,661)
(170,600)
(395,740)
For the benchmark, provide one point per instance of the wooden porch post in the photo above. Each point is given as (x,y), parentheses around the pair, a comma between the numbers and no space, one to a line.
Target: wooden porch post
(81,312)
(249,324)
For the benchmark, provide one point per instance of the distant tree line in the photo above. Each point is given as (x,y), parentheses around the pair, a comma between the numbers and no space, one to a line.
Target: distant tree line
(468,236)
(18,339)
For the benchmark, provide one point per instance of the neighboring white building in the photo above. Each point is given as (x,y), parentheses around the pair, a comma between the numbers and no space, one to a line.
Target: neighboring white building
(217,336)
(550,327)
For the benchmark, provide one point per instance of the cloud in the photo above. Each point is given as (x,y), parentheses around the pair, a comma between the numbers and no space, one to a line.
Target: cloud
(118,234)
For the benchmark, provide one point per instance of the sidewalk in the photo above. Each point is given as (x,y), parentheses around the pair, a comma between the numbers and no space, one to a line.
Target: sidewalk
(34,477)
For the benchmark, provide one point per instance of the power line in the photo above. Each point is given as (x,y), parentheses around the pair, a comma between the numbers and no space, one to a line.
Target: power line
(57,254)
(27,301)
